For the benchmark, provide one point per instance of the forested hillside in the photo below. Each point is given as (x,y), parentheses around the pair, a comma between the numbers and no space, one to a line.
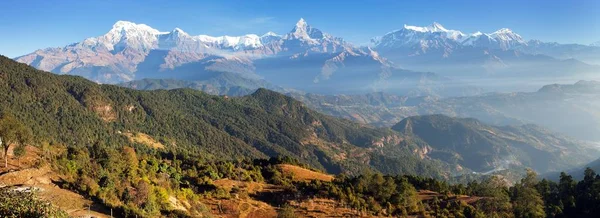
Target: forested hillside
(76,112)
(72,111)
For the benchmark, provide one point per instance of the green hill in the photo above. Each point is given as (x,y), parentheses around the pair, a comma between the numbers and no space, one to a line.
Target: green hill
(73,111)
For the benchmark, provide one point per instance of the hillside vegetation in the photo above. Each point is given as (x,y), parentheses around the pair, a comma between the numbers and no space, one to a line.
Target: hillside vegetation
(183,153)
(72,111)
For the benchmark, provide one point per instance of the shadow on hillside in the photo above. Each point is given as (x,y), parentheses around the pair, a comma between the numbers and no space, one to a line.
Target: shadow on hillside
(278,198)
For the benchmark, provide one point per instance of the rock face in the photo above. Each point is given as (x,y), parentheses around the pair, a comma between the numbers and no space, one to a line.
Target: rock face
(306,58)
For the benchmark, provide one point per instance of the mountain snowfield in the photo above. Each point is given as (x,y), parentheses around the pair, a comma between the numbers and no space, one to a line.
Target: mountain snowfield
(309,59)
(125,34)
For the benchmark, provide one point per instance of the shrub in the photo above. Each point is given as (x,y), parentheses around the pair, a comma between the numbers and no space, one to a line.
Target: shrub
(24,204)
(286,211)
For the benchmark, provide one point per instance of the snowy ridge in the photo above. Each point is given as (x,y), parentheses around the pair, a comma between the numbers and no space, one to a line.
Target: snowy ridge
(304,32)
(269,34)
(437,35)
(144,38)
(117,55)
(245,41)
(437,28)
(126,34)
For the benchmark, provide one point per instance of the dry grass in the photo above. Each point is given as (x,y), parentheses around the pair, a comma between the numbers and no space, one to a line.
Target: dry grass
(240,207)
(250,187)
(302,174)
(425,195)
(31,176)
(71,202)
(105,112)
(144,139)
(320,207)
(32,155)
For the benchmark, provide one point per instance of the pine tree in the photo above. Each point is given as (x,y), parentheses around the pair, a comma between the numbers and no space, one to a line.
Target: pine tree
(527,201)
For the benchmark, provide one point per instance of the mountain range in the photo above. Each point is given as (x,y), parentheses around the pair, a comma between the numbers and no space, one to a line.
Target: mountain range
(502,53)
(305,58)
(310,60)
(150,122)
(76,112)
(572,107)
(371,84)
(309,65)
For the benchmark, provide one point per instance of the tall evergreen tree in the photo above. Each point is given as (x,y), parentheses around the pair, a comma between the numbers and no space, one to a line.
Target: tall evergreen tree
(495,201)
(527,201)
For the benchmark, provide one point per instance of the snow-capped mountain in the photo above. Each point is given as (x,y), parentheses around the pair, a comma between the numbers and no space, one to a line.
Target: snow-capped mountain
(504,39)
(125,35)
(596,44)
(115,56)
(507,39)
(141,37)
(127,45)
(434,35)
(302,31)
(503,52)
(437,36)
(305,58)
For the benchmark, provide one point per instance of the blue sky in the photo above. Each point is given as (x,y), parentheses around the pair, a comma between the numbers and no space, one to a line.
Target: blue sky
(29,25)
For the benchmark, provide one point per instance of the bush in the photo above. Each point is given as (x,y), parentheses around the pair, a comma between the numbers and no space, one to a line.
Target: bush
(24,204)
(286,211)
